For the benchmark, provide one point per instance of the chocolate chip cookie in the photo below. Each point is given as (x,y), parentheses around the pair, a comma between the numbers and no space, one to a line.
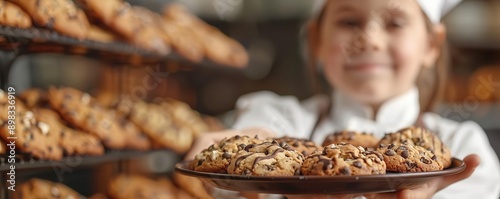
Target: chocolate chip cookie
(366,140)
(183,115)
(128,21)
(32,136)
(60,15)
(217,157)
(158,124)
(409,158)
(182,40)
(13,15)
(343,159)
(215,45)
(81,110)
(304,146)
(135,138)
(72,141)
(37,188)
(420,137)
(266,159)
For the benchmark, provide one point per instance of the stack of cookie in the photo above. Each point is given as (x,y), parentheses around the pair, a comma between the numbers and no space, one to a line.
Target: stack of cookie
(344,153)
(116,20)
(66,121)
(33,137)
(82,111)
(170,124)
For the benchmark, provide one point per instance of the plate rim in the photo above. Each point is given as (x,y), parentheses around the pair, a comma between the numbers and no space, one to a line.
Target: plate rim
(181,168)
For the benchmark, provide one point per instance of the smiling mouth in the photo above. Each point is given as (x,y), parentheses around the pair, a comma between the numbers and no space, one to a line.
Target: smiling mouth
(367,66)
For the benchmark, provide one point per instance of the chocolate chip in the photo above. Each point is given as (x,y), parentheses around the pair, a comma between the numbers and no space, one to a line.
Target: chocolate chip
(242,146)
(296,144)
(390,146)
(200,162)
(410,165)
(405,154)
(358,164)
(237,137)
(55,192)
(390,152)
(282,144)
(226,155)
(269,167)
(67,96)
(211,147)
(379,155)
(310,144)
(248,147)
(434,157)
(345,171)
(425,161)
(402,148)
(73,17)
(29,136)
(256,137)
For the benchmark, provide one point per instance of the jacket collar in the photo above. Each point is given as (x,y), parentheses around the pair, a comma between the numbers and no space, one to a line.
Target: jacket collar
(398,112)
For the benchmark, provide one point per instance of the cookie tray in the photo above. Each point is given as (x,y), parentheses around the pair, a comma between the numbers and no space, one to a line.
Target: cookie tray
(389,182)
(36,40)
(26,162)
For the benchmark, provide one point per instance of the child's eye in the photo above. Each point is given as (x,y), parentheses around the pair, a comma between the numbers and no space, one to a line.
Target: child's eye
(396,23)
(350,23)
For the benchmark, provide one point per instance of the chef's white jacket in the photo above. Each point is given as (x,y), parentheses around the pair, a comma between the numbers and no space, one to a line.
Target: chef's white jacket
(288,116)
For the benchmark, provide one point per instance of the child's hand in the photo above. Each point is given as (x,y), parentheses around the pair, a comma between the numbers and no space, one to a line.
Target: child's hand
(207,139)
(425,191)
(429,189)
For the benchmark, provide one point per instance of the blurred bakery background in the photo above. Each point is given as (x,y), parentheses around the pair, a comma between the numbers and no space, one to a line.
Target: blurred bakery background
(271,32)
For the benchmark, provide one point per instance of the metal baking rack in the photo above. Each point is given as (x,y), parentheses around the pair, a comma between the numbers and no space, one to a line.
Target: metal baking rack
(15,42)
(28,165)
(24,161)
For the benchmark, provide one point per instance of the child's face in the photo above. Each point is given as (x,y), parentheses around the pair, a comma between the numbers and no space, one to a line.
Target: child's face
(373,50)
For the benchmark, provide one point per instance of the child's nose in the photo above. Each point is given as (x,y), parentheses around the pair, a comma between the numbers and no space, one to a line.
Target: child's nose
(371,37)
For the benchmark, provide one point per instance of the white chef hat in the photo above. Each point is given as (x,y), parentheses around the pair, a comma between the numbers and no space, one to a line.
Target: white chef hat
(435,9)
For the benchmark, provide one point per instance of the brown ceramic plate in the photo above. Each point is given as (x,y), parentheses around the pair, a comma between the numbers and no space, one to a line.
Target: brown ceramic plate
(389,182)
